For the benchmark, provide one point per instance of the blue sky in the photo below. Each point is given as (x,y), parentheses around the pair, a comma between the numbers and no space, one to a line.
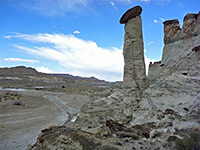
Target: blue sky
(81,37)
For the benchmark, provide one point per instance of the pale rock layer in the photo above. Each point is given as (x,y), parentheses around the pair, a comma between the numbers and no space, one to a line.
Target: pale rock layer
(134,69)
(175,80)
(178,55)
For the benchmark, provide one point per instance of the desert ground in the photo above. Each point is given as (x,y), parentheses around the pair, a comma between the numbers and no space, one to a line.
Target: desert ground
(23,114)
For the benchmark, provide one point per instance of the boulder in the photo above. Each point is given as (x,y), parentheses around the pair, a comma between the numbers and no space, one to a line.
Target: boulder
(131,13)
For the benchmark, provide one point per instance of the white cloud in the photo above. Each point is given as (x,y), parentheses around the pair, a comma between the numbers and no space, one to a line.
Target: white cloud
(145,0)
(20,60)
(7,37)
(76,32)
(113,4)
(155,21)
(150,42)
(162,19)
(78,56)
(145,50)
(43,69)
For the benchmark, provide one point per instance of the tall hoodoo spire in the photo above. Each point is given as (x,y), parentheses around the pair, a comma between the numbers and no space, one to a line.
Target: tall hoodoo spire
(134,69)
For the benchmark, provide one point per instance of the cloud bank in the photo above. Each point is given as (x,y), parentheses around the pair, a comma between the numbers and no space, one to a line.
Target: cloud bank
(79,57)
(20,60)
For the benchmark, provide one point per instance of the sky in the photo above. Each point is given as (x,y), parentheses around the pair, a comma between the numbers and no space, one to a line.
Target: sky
(81,37)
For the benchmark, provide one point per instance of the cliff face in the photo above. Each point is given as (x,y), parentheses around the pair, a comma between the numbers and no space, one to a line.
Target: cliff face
(178,55)
(190,28)
(175,80)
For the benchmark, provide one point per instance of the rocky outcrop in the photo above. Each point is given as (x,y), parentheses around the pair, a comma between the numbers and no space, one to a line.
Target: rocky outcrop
(120,130)
(173,32)
(178,54)
(154,68)
(120,138)
(133,51)
(190,25)
(173,95)
(169,108)
(62,137)
(131,13)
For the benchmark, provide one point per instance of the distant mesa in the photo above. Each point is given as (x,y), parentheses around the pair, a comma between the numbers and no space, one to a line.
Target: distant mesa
(131,13)
(18,71)
(22,71)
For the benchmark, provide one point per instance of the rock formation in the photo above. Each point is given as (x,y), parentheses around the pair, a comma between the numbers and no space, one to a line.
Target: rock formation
(175,80)
(178,54)
(133,51)
(166,110)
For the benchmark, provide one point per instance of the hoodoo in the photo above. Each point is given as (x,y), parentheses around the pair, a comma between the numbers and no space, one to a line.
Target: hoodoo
(134,69)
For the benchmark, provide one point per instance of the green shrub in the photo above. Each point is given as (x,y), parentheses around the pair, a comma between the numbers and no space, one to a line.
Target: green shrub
(189,143)
(11,98)
(98,133)
(18,97)
(135,137)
